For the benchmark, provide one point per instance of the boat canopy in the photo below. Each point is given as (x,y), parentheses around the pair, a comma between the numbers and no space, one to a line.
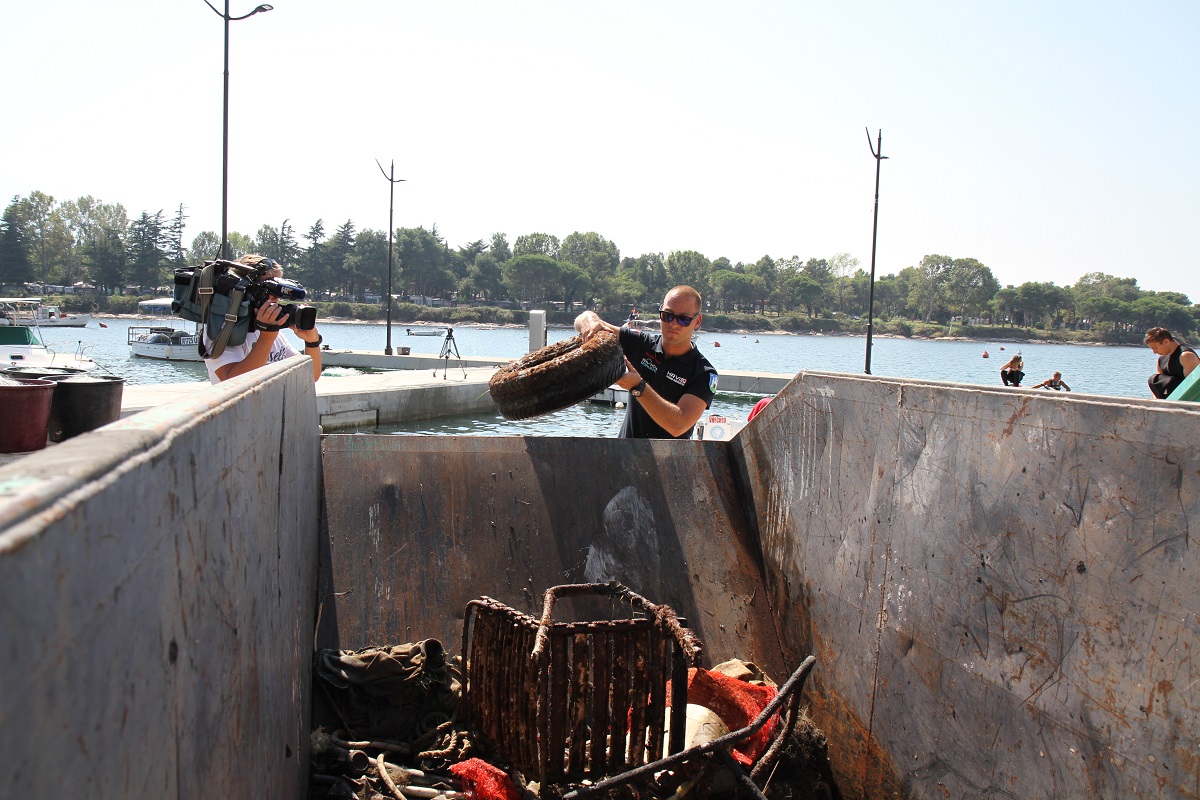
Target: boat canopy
(17,335)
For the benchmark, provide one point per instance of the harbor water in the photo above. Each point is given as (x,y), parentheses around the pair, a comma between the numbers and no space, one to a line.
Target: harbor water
(1105,370)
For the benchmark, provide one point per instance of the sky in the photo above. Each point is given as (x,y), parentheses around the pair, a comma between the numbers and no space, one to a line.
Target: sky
(1045,139)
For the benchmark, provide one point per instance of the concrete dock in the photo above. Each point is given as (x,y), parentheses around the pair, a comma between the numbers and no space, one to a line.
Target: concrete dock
(409,387)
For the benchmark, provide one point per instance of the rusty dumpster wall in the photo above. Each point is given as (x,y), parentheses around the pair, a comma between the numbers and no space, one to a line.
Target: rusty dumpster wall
(1000,585)
(419,526)
(157,585)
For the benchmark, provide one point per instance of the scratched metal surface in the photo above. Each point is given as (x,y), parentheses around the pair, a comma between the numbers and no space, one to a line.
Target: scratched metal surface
(419,526)
(1000,586)
(157,579)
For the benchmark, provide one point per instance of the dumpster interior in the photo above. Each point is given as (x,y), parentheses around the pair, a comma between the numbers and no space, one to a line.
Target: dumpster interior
(434,575)
(997,585)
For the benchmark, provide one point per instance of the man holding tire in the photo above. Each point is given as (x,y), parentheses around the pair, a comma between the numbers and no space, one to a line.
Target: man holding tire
(670,382)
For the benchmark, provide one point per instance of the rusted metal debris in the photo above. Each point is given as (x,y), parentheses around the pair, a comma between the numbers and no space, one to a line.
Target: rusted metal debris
(789,693)
(567,701)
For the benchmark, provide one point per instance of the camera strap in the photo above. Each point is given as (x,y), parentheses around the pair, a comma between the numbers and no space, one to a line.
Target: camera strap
(231,317)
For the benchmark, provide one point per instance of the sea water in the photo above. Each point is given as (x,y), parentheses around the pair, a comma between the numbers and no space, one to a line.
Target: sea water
(1119,371)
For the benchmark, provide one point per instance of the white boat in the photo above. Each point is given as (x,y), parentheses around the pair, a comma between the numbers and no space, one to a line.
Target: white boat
(20,346)
(30,311)
(165,344)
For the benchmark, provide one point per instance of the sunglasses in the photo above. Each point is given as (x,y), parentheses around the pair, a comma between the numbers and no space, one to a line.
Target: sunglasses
(679,319)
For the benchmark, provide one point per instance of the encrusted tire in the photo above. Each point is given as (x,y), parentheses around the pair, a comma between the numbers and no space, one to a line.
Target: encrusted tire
(557,376)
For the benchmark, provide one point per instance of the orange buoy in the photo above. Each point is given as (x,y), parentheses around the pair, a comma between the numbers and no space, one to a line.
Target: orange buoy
(985,355)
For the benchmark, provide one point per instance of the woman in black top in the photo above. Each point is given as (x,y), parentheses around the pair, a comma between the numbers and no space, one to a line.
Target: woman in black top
(1175,361)
(1011,373)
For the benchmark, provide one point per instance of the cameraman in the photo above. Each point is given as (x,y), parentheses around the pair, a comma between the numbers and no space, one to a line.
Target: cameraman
(262,347)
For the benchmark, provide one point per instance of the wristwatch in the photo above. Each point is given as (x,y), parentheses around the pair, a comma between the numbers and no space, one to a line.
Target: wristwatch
(317,343)
(637,390)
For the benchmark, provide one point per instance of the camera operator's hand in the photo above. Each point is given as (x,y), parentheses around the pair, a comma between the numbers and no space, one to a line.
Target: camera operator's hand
(271,316)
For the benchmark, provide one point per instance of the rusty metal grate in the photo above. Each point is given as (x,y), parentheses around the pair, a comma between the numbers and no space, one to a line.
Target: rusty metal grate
(571,700)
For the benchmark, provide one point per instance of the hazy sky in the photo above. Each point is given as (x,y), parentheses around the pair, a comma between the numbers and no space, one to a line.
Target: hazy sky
(1046,139)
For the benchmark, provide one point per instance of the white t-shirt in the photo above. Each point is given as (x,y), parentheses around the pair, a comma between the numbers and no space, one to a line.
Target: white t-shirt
(234,353)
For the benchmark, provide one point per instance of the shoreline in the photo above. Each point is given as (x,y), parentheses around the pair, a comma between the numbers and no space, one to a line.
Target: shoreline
(707,332)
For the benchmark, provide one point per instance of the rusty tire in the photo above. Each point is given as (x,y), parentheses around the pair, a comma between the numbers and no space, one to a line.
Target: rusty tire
(557,376)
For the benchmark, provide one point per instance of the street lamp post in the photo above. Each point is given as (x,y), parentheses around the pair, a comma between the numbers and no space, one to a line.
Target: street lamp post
(392,180)
(877,152)
(225,125)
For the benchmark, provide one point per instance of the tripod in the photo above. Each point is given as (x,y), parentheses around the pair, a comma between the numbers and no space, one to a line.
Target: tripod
(449,346)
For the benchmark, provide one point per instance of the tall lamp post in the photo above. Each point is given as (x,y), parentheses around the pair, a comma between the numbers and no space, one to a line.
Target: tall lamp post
(225,127)
(393,180)
(877,152)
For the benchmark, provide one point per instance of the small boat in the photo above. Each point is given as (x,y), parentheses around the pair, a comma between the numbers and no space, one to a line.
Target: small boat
(20,346)
(163,343)
(30,311)
(411,332)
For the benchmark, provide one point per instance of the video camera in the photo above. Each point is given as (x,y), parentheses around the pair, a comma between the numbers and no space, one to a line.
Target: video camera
(260,290)
(245,279)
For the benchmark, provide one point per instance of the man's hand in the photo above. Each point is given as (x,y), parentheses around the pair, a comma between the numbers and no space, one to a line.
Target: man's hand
(631,378)
(588,324)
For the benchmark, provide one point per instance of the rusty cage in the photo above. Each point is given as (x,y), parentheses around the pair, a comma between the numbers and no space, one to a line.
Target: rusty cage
(565,701)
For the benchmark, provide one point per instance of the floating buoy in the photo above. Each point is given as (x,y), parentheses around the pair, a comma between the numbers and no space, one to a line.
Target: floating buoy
(102,325)
(716,344)
(1001,348)
(985,355)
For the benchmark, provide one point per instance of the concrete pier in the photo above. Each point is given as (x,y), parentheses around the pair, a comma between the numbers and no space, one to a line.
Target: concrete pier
(407,388)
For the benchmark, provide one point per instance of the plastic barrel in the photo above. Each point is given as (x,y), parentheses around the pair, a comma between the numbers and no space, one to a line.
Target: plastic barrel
(83,403)
(25,408)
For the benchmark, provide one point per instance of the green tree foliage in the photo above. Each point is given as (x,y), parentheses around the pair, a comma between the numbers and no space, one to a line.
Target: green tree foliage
(928,284)
(486,277)
(500,249)
(205,247)
(106,255)
(576,283)
(689,268)
(423,259)
(969,287)
(536,244)
(768,273)
(532,277)
(735,289)
(16,265)
(145,258)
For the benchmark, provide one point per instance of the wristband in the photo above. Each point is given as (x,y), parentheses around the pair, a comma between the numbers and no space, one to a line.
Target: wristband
(317,343)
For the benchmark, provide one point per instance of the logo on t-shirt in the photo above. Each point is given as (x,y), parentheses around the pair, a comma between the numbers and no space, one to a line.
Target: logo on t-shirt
(671,376)
(712,382)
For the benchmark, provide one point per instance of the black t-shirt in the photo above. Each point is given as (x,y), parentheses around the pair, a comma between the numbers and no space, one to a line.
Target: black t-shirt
(671,378)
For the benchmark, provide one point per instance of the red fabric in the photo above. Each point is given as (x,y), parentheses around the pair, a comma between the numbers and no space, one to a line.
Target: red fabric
(737,703)
(486,781)
(758,407)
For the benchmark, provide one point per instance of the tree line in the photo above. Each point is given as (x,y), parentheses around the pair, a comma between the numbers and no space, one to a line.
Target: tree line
(95,243)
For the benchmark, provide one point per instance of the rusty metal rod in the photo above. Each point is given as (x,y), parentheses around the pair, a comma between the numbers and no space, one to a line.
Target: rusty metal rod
(720,744)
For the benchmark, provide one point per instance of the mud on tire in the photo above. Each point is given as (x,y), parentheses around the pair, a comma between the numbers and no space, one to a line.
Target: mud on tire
(557,376)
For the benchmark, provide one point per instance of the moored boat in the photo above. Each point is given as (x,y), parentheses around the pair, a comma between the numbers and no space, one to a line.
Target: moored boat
(20,346)
(163,343)
(30,311)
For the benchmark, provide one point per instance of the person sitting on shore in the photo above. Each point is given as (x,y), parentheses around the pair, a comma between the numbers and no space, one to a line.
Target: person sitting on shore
(1011,373)
(1056,383)
(1175,362)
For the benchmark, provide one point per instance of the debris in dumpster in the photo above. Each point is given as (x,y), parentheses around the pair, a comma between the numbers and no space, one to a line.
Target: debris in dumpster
(486,781)
(396,728)
(396,693)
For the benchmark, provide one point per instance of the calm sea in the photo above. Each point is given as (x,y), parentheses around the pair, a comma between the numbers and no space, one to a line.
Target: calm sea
(1115,371)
